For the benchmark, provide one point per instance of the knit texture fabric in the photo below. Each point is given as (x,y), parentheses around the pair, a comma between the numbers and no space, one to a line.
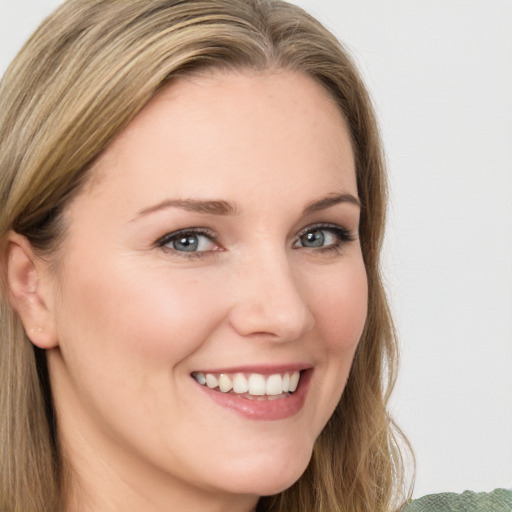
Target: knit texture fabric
(499,500)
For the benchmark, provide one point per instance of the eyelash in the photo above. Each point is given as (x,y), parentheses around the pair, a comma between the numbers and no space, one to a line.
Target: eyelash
(343,236)
(175,235)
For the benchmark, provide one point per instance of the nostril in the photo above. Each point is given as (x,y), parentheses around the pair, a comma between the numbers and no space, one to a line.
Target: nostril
(275,320)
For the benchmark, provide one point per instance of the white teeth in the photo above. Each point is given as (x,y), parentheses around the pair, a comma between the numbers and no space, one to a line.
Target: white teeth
(211,381)
(225,383)
(240,384)
(286,383)
(255,385)
(294,381)
(274,385)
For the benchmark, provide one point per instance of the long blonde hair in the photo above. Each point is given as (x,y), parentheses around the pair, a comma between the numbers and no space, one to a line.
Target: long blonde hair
(85,73)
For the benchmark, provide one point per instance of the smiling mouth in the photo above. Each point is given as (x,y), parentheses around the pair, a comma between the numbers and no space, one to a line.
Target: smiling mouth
(254,386)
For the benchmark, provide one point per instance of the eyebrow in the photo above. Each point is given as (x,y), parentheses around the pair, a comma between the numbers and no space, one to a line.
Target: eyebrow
(329,201)
(209,207)
(224,208)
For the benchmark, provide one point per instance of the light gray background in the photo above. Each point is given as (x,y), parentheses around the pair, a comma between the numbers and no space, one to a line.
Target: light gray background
(440,72)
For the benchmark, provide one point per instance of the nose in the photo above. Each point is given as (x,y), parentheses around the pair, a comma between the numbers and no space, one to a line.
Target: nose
(270,301)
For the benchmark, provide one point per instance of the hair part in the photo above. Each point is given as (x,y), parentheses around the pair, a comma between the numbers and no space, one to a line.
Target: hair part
(81,78)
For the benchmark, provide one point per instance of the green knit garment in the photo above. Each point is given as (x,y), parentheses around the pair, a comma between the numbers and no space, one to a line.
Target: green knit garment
(499,500)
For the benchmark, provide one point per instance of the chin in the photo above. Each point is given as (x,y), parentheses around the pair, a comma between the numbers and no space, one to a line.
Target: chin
(275,476)
(278,485)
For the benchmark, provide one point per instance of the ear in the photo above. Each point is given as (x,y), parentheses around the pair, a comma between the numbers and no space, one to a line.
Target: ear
(30,291)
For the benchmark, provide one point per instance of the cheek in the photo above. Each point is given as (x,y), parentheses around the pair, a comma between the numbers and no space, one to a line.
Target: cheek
(152,316)
(340,312)
(341,309)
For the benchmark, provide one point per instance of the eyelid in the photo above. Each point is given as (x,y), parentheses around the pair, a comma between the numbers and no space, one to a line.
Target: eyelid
(327,226)
(344,235)
(169,237)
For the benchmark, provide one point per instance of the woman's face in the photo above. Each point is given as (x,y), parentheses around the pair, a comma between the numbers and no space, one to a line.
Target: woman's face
(217,241)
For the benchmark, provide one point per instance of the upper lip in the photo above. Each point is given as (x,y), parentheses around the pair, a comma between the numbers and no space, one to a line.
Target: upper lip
(267,369)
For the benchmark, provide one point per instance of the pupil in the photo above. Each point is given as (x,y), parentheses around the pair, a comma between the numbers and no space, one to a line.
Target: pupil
(186,243)
(313,239)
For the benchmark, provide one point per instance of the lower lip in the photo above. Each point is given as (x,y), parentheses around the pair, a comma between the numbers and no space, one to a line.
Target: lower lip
(263,410)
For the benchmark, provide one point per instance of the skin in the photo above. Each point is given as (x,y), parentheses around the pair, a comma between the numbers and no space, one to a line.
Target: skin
(126,321)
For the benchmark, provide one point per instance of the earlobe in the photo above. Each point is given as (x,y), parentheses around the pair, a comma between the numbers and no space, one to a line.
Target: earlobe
(29,291)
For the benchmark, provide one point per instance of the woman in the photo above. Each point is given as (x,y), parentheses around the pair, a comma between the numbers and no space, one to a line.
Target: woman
(193,202)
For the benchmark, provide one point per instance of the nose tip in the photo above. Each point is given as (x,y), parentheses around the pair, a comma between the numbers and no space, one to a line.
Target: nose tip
(272,306)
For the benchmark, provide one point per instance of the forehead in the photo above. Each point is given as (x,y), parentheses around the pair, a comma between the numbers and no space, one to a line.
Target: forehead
(233,129)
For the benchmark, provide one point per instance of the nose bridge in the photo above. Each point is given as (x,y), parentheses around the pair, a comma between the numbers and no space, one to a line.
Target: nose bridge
(270,298)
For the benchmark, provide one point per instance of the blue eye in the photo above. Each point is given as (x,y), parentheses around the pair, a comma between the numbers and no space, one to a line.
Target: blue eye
(323,237)
(316,238)
(189,241)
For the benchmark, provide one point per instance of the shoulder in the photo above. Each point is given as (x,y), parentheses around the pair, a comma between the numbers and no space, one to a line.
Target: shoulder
(499,500)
